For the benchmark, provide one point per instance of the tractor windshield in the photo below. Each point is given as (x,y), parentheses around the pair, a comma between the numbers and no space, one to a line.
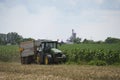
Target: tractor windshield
(51,45)
(47,46)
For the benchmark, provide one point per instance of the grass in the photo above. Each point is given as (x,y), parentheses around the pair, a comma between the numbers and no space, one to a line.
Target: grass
(16,71)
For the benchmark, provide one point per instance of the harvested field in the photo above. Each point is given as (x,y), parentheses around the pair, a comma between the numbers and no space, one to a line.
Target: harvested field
(16,71)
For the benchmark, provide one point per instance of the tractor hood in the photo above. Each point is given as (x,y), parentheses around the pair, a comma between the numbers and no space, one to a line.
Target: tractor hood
(56,50)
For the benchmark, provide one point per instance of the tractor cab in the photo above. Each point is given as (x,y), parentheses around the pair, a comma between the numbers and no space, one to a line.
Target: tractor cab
(47,46)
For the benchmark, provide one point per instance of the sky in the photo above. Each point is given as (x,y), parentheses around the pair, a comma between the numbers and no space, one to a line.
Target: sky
(55,19)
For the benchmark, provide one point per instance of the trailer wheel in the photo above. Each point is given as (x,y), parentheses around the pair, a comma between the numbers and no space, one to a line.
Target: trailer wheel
(30,59)
(26,60)
(22,60)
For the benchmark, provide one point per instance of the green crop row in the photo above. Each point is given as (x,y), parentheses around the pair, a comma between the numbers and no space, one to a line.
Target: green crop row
(98,54)
(9,53)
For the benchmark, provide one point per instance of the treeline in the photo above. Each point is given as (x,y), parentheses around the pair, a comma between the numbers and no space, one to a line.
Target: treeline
(11,38)
(108,40)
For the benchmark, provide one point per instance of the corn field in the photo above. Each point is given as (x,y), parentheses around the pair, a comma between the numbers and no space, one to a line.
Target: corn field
(94,54)
(98,54)
(9,53)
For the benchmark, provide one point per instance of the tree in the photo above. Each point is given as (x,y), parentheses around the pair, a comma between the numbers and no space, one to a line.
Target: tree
(112,40)
(28,39)
(88,41)
(77,40)
(99,42)
(14,38)
(3,39)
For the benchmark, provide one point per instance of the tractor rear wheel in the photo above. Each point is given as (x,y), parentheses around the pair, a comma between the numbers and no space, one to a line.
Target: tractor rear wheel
(46,60)
(38,59)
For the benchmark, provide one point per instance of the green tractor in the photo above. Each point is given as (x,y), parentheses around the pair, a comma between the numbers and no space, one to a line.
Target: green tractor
(41,52)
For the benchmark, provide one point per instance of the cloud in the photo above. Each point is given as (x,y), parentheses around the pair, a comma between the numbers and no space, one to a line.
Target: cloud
(101,15)
(99,24)
(80,2)
(72,2)
(99,1)
(20,20)
(40,20)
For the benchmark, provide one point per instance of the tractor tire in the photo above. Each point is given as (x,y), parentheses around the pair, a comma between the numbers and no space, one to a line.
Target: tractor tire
(64,60)
(46,60)
(38,59)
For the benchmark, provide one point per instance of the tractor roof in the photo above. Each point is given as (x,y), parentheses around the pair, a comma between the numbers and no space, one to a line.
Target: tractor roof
(38,42)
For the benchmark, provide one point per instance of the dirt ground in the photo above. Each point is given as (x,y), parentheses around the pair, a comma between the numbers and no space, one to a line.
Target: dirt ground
(16,71)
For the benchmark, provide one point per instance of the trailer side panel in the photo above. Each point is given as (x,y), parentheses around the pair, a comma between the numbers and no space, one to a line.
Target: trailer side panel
(28,48)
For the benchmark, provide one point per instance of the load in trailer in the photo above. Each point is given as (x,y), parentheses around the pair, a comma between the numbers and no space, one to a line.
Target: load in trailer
(41,52)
